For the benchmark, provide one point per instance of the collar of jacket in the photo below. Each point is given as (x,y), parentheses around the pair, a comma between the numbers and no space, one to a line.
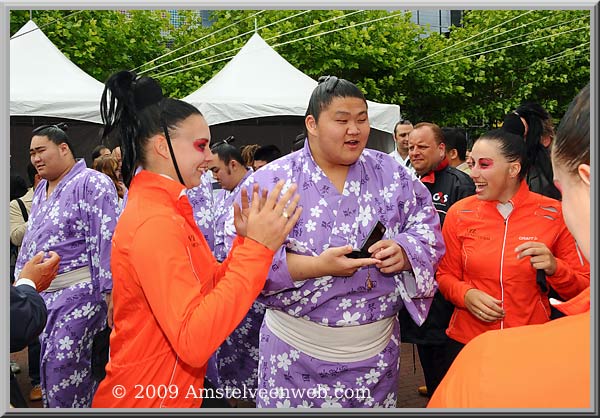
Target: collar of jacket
(430,177)
(523,193)
(159,185)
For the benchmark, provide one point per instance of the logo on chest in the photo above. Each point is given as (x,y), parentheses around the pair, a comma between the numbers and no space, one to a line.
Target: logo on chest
(440,197)
(472,233)
(193,241)
(528,238)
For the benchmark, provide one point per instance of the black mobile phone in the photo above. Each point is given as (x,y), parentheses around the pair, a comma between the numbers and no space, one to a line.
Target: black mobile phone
(375,235)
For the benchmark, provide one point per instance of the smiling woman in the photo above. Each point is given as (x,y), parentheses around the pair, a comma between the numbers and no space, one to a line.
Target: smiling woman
(174,303)
(541,366)
(489,272)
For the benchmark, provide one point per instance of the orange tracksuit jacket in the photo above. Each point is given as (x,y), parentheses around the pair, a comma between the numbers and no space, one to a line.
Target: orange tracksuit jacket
(480,253)
(174,304)
(537,366)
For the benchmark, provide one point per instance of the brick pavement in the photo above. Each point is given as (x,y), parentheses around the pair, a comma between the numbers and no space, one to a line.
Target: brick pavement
(407,393)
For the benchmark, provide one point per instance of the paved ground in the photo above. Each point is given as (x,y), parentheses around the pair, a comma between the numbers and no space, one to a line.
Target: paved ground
(408,397)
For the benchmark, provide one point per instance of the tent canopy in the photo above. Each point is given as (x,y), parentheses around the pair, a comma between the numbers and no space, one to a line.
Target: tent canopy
(258,82)
(43,82)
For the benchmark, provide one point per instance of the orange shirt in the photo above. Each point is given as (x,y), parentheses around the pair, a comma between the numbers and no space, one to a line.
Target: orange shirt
(173,303)
(537,366)
(480,253)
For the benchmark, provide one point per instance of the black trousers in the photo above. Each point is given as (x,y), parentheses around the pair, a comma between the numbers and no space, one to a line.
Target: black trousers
(16,397)
(33,359)
(436,360)
(213,402)
(432,359)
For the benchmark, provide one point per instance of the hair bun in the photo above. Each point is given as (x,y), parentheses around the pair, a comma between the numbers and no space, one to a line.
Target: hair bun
(62,125)
(146,92)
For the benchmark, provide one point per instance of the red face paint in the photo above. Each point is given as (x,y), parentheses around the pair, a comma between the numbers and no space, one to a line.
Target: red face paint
(200,144)
(485,163)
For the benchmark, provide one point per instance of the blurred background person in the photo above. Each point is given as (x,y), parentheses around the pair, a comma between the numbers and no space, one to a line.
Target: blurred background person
(18,218)
(447,185)
(401,132)
(116,153)
(298,143)
(247,152)
(532,123)
(100,150)
(107,164)
(264,155)
(456,149)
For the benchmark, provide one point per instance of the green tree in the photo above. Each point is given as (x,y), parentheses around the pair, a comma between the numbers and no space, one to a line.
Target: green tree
(101,42)
(472,77)
(373,55)
(498,59)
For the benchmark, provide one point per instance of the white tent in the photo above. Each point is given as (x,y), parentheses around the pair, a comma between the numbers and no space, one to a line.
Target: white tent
(258,82)
(43,82)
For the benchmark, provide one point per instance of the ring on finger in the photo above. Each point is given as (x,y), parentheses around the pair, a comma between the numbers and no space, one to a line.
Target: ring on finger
(285,214)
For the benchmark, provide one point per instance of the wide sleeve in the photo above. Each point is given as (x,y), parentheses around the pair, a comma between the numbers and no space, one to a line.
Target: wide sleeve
(27,316)
(229,233)
(421,239)
(194,321)
(100,206)
(572,274)
(450,271)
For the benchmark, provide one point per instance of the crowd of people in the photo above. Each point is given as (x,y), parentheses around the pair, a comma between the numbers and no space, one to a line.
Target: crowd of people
(180,271)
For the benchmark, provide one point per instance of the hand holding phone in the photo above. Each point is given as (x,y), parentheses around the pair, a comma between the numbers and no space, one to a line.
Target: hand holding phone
(375,235)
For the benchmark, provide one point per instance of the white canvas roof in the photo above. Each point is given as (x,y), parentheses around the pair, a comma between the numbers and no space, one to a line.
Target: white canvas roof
(259,82)
(43,82)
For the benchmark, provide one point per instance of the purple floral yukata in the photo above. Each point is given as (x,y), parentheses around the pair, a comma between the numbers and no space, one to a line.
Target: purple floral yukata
(77,221)
(376,188)
(201,199)
(236,360)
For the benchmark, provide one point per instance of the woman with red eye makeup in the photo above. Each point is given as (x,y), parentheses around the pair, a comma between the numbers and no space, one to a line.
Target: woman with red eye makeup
(504,246)
(174,304)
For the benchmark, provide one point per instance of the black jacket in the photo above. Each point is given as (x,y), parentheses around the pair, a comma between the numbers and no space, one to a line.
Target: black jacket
(27,316)
(447,186)
(538,182)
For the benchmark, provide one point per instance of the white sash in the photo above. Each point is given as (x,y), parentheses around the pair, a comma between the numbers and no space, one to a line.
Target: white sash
(334,344)
(70,278)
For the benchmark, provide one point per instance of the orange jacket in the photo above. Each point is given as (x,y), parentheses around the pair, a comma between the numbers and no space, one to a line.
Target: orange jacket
(173,303)
(480,253)
(538,366)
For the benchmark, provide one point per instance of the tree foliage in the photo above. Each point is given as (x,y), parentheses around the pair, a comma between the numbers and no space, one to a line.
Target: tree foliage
(101,41)
(497,60)
(353,50)
(471,78)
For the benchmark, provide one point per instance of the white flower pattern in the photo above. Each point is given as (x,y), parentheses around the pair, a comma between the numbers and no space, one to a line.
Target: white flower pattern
(376,188)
